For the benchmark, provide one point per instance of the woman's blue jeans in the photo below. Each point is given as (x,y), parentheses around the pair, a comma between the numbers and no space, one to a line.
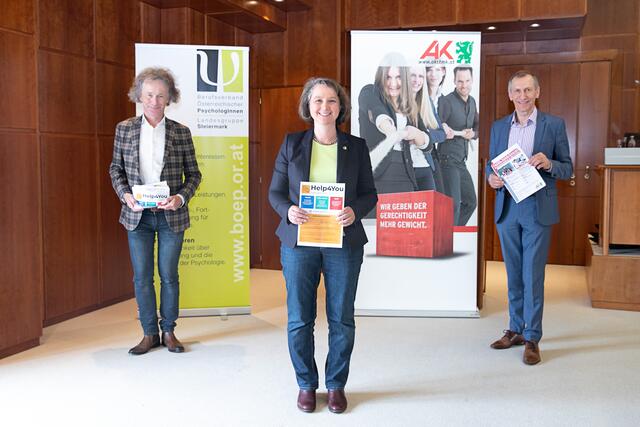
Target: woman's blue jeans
(141,248)
(302,267)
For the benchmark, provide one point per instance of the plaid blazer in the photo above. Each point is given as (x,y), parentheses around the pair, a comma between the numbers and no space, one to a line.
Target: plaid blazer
(179,161)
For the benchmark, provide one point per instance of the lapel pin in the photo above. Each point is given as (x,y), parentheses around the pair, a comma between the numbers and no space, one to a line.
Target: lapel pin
(344,147)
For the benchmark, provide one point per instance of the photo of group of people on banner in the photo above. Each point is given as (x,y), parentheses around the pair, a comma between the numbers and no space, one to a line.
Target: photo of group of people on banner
(415,100)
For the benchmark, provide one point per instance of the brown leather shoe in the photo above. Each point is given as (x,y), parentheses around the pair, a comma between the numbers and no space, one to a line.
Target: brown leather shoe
(508,339)
(337,401)
(148,342)
(170,341)
(531,354)
(307,400)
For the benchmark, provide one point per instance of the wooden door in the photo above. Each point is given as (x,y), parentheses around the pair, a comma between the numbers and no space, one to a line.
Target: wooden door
(278,116)
(579,92)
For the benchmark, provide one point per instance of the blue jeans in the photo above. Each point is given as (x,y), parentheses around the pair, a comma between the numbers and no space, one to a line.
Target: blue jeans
(525,246)
(301,267)
(141,243)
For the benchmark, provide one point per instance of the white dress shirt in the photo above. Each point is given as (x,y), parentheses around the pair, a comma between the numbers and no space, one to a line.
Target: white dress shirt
(151,151)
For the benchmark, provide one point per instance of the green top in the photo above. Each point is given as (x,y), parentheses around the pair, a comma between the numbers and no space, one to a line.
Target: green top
(324,162)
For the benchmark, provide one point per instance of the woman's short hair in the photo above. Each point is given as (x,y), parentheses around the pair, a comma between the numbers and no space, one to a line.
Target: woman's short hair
(154,73)
(305,98)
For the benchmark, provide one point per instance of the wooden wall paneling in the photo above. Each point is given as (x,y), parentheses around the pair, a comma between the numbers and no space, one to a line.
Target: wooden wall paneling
(255,181)
(17,82)
(631,69)
(150,23)
(625,201)
(66,86)
(544,46)
(115,81)
(196,27)
(303,47)
(70,202)
(506,48)
(18,15)
(630,113)
(279,117)
(605,17)
(623,42)
(586,219)
(534,9)
(426,13)
(313,43)
(563,234)
(480,11)
(243,38)
(328,16)
(255,205)
(117,30)
(173,25)
(21,245)
(487,115)
(271,59)
(562,90)
(116,281)
(372,14)
(254,115)
(67,25)
(594,114)
(183,26)
(218,33)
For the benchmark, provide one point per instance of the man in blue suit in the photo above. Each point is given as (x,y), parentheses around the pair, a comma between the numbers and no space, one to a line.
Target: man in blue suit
(525,228)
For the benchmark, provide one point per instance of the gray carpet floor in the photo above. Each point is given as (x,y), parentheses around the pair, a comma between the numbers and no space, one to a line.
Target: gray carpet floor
(404,371)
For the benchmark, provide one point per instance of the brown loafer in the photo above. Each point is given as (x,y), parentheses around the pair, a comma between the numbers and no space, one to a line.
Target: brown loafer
(170,341)
(509,339)
(307,400)
(337,401)
(531,354)
(148,342)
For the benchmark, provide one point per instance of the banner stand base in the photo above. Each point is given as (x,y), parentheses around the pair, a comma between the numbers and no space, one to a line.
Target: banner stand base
(472,314)
(217,311)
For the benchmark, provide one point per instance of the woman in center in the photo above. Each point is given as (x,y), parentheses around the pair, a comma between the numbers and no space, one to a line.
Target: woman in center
(322,154)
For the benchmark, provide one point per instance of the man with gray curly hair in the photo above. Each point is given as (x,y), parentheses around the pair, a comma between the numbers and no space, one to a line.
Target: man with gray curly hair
(148,149)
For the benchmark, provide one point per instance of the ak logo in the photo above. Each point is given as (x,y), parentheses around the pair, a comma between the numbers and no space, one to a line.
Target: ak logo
(438,52)
(219,70)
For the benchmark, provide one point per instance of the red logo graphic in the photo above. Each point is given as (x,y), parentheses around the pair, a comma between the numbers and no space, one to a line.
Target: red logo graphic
(434,50)
(336,203)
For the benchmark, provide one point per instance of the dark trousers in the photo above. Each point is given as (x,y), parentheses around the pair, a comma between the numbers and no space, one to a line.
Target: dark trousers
(458,185)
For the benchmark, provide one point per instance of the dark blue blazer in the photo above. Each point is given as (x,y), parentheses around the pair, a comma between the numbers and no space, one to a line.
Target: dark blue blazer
(551,139)
(292,167)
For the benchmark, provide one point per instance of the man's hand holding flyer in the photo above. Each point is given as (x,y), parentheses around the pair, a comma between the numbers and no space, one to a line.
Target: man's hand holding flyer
(520,178)
(149,195)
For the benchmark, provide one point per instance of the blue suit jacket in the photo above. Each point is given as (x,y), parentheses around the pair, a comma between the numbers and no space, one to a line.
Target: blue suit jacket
(354,169)
(551,139)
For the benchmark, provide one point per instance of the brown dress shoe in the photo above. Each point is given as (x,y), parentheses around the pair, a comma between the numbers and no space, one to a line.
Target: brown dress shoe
(508,339)
(337,401)
(148,342)
(170,341)
(531,353)
(307,400)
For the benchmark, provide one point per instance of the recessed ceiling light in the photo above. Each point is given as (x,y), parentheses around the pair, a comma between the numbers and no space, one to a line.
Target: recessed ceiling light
(252,3)
(279,1)
(534,25)
(491,28)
